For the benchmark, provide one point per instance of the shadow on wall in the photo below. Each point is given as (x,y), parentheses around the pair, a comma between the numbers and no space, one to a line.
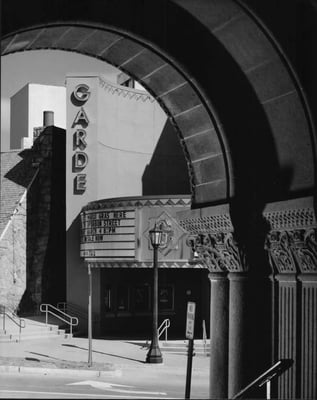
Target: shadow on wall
(167,172)
(22,172)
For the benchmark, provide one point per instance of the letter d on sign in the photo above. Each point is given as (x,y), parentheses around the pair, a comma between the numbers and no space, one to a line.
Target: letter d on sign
(80,160)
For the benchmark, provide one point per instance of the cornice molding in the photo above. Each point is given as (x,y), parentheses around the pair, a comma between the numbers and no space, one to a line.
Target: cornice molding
(208,224)
(291,218)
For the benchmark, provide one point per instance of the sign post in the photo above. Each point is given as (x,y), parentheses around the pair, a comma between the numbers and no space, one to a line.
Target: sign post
(89,316)
(190,324)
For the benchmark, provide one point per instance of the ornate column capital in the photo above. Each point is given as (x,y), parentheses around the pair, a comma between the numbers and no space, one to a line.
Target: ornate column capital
(212,238)
(279,250)
(304,248)
(291,242)
(218,251)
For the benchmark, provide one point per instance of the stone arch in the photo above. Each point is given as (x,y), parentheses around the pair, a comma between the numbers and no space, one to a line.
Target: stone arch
(220,77)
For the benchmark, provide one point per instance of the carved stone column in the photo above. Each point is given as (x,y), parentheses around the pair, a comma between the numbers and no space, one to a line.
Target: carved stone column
(206,247)
(238,307)
(304,248)
(292,250)
(287,298)
(219,311)
(228,352)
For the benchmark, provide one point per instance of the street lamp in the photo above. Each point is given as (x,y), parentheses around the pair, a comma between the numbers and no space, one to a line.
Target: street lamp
(154,355)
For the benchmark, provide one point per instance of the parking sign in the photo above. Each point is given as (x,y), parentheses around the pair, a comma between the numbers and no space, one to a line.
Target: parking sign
(190,320)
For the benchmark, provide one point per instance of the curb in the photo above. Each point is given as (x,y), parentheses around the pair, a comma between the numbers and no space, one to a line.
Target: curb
(60,371)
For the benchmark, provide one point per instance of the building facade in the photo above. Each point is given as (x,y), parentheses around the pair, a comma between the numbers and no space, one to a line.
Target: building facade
(240,88)
(119,147)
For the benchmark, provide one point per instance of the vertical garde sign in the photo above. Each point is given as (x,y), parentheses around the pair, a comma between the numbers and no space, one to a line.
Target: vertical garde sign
(80,124)
(108,234)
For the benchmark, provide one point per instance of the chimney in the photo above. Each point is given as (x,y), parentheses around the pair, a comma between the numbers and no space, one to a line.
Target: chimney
(48,118)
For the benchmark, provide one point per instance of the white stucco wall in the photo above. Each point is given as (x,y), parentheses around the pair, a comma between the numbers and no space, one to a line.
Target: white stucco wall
(130,123)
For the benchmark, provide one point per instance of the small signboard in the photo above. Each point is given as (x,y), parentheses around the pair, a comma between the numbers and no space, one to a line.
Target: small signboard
(190,320)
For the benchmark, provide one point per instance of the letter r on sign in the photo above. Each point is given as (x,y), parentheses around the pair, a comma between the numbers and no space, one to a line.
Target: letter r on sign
(79,141)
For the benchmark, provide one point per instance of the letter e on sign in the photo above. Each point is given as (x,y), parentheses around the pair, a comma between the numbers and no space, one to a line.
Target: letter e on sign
(190,320)
(80,183)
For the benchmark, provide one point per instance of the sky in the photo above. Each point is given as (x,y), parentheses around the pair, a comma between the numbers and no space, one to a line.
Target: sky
(45,67)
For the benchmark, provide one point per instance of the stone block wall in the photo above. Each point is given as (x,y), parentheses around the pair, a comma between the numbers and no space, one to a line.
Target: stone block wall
(13,259)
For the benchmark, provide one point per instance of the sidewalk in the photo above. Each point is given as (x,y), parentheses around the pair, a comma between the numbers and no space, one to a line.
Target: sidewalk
(70,356)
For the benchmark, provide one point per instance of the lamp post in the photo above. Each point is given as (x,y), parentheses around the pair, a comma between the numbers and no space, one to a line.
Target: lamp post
(154,355)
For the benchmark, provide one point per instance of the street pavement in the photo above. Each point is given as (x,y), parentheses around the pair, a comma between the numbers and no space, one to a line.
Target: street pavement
(114,362)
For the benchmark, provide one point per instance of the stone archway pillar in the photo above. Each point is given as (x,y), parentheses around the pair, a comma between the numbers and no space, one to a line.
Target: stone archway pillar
(219,294)
(237,361)
(212,239)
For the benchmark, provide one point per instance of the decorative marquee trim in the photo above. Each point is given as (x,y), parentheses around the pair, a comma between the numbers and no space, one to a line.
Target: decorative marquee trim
(125,92)
(137,202)
(141,264)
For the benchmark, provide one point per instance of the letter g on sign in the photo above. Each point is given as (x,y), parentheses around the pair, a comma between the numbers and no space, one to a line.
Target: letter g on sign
(81,92)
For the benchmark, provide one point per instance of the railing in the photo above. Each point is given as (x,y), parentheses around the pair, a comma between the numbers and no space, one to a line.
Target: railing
(68,319)
(7,312)
(276,370)
(204,337)
(163,328)
(77,310)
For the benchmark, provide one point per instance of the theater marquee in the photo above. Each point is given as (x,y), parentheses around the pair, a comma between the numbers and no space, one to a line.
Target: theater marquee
(108,234)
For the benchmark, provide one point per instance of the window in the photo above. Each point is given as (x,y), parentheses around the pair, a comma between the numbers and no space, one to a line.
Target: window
(142,298)
(166,298)
(123,299)
(108,298)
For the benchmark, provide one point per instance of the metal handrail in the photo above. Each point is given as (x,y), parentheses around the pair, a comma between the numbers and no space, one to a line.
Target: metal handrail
(13,317)
(163,328)
(276,370)
(74,308)
(73,321)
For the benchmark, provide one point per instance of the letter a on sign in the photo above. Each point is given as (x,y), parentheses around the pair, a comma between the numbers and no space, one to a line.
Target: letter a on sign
(81,118)
(190,320)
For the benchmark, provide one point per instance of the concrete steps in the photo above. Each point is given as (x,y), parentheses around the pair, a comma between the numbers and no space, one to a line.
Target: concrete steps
(34,329)
(181,347)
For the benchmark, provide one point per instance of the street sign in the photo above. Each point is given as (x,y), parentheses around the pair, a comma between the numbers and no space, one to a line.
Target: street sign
(190,320)
(190,324)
